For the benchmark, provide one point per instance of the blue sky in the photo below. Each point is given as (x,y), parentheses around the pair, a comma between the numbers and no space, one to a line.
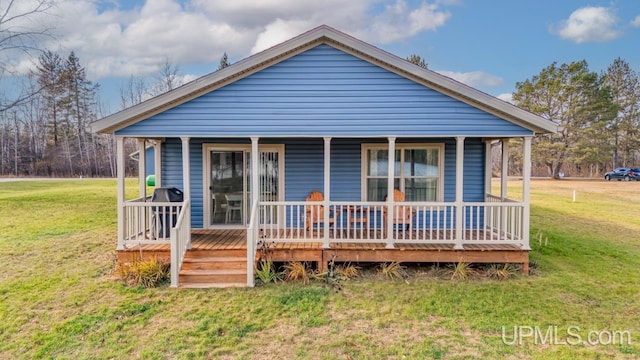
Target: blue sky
(489,44)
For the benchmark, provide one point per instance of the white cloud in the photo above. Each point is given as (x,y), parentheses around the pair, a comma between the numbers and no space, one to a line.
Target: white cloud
(473,78)
(590,24)
(508,97)
(117,42)
(636,22)
(398,22)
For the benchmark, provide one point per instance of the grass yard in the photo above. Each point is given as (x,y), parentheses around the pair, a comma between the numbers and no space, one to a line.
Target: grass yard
(58,298)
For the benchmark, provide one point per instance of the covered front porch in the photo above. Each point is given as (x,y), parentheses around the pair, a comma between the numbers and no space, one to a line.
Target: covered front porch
(495,229)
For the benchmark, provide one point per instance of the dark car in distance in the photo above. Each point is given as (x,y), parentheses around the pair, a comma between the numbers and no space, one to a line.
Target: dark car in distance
(623,173)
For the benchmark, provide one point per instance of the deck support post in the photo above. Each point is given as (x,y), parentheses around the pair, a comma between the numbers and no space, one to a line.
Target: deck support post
(327,193)
(142,167)
(390,200)
(504,180)
(157,152)
(120,159)
(459,191)
(526,196)
(186,178)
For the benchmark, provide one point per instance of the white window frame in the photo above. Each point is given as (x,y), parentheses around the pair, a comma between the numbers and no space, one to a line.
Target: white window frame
(401,146)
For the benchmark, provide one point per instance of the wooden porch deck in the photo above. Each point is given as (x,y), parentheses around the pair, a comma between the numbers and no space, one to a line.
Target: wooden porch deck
(235,240)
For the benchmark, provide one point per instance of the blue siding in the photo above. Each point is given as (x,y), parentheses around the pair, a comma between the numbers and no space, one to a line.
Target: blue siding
(473,170)
(304,168)
(150,167)
(324,92)
(172,163)
(346,168)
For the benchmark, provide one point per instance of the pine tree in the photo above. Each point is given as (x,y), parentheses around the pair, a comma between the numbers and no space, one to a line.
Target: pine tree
(224,61)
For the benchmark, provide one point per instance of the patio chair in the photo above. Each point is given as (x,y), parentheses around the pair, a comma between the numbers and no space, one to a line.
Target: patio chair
(314,214)
(402,215)
(234,206)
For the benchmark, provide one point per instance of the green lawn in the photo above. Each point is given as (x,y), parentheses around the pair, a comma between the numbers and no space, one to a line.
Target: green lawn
(58,298)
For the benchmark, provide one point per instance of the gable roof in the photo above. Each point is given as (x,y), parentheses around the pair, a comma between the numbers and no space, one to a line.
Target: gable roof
(323,35)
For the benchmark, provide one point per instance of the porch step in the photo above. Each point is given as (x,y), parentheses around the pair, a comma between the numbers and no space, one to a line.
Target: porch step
(199,253)
(212,285)
(213,276)
(214,269)
(215,263)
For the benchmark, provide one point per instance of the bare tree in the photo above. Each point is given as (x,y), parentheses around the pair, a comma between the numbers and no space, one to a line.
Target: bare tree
(133,92)
(20,33)
(168,78)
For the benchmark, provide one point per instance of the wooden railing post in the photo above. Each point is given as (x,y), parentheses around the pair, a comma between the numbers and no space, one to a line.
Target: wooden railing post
(252,237)
(175,270)
(180,236)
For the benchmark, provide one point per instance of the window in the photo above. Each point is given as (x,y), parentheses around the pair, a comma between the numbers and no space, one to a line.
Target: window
(418,171)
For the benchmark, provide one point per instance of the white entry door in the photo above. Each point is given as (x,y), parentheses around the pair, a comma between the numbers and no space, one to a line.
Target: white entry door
(227,182)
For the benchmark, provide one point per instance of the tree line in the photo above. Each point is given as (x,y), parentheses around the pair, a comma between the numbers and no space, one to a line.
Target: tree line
(48,134)
(598,117)
(44,127)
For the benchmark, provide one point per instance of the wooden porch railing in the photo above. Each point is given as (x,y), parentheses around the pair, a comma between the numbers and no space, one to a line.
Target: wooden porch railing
(494,222)
(149,222)
(507,221)
(180,241)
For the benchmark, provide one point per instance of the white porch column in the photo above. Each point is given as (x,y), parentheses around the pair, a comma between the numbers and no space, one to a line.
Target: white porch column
(255,171)
(142,168)
(390,200)
(504,172)
(327,192)
(459,191)
(186,178)
(526,196)
(254,197)
(120,159)
(488,167)
(157,153)
(504,180)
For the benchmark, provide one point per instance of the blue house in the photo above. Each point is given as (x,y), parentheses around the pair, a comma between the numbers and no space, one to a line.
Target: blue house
(326,112)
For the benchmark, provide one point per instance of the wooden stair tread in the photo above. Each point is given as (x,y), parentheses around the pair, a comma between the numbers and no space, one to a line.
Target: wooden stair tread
(213,272)
(218,252)
(214,259)
(206,285)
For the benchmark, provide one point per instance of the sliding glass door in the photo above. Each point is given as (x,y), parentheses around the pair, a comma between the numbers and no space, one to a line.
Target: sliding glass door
(228,187)
(228,183)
